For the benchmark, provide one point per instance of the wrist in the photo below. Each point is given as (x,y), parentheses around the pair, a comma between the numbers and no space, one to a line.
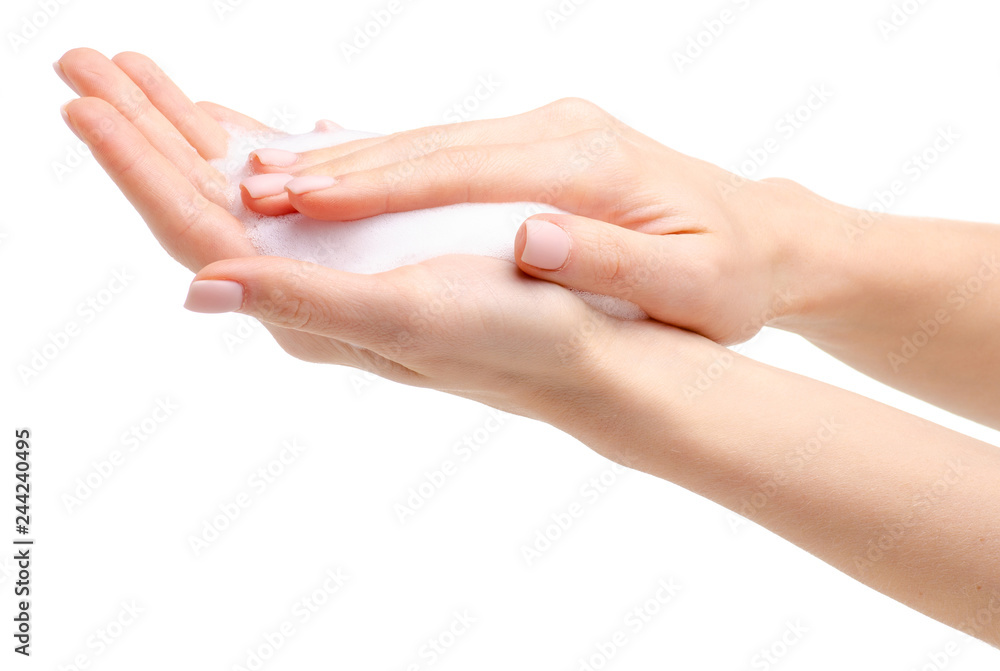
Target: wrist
(816,265)
(635,391)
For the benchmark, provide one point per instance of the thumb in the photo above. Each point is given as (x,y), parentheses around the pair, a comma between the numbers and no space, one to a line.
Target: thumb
(298,295)
(592,255)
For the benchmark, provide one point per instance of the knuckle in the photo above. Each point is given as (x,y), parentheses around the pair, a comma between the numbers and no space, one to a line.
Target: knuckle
(576,109)
(301,314)
(81,54)
(429,139)
(193,212)
(294,312)
(84,61)
(288,307)
(614,261)
(186,120)
(464,161)
(593,146)
(134,105)
(415,143)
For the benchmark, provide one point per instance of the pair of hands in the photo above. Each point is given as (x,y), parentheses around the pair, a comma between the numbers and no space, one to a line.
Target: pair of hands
(658,228)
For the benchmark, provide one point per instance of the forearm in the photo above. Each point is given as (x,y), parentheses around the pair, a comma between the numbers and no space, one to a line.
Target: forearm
(912,302)
(903,505)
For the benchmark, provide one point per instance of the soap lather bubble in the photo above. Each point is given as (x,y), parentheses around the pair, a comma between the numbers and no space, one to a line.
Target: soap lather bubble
(386,241)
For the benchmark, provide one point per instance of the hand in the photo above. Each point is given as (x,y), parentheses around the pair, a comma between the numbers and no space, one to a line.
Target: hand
(470,325)
(687,241)
(155,144)
(479,328)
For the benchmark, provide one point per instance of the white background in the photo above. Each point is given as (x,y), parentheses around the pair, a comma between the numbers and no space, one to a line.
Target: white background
(66,229)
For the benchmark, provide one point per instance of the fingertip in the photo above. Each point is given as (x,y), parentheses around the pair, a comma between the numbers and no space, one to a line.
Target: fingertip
(123,57)
(238,268)
(81,67)
(57,66)
(214,296)
(63,110)
(545,245)
(262,186)
(309,195)
(266,159)
(309,184)
(85,105)
(519,239)
(93,120)
(139,68)
(274,205)
(80,53)
(133,56)
(326,205)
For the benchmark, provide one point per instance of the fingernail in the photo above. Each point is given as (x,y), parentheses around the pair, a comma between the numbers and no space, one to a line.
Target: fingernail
(546,245)
(327,125)
(276,157)
(57,66)
(307,183)
(270,184)
(65,115)
(213,296)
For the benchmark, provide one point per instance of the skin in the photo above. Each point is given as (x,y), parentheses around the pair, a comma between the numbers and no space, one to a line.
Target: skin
(901,504)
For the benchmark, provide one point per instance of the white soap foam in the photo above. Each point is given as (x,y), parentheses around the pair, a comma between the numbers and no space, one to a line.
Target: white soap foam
(386,241)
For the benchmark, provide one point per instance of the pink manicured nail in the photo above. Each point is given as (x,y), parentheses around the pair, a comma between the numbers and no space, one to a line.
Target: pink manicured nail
(57,66)
(307,183)
(276,157)
(325,125)
(214,296)
(546,245)
(270,184)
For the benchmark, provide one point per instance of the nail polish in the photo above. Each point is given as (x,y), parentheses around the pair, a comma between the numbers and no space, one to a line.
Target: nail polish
(213,296)
(308,183)
(268,184)
(546,246)
(276,157)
